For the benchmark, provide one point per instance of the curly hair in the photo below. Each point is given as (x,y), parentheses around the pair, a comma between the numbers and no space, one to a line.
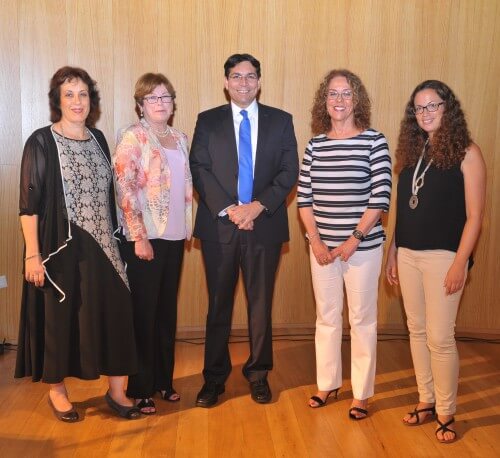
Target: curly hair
(450,140)
(321,122)
(69,74)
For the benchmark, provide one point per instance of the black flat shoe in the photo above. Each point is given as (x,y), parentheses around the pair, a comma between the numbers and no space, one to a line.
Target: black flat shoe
(70,416)
(322,403)
(360,410)
(170,395)
(146,406)
(209,394)
(260,391)
(128,412)
(416,413)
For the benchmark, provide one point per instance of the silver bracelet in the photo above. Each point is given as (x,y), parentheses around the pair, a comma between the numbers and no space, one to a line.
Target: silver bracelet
(309,237)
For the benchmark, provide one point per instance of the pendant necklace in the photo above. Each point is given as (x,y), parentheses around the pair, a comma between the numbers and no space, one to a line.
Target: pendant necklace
(418,182)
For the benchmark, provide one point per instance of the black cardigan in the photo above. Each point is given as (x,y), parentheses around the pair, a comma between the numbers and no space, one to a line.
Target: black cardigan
(41,189)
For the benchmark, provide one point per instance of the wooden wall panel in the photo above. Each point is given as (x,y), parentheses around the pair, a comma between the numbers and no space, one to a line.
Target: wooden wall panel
(10,86)
(90,46)
(42,50)
(392,45)
(135,44)
(10,252)
(11,135)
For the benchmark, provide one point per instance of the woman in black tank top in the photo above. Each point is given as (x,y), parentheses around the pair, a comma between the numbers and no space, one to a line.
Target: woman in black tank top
(441,193)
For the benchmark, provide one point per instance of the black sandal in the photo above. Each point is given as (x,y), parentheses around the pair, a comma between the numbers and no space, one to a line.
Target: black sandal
(128,412)
(443,427)
(322,403)
(360,410)
(146,406)
(166,395)
(416,413)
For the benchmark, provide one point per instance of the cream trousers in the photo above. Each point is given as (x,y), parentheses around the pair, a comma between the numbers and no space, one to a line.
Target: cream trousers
(360,275)
(431,316)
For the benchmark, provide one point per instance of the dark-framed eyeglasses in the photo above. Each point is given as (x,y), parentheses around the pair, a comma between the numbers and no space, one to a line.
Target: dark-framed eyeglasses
(430,107)
(237,77)
(152,99)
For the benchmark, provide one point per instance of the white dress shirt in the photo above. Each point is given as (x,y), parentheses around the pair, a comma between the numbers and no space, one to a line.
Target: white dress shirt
(253,116)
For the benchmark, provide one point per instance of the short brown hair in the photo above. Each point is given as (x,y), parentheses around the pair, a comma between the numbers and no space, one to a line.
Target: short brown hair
(146,84)
(69,74)
(321,122)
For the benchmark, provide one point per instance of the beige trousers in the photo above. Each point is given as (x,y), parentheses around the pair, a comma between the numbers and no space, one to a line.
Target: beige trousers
(360,274)
(431,316)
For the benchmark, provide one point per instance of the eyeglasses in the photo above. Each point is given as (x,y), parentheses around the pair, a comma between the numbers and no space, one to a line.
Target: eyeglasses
(237,77)
(345,94)
(430,107)
(152,99)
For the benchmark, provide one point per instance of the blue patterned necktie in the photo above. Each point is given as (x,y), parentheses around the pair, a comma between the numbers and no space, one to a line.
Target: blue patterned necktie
(245,170)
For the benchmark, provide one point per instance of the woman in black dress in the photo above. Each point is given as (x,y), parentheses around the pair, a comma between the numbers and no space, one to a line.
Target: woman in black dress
(76,311)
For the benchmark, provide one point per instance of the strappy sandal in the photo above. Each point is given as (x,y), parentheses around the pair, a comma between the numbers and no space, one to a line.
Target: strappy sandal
(443,427)
(146,406)
(170,395)
(322,403)
(416,413)
(357,409)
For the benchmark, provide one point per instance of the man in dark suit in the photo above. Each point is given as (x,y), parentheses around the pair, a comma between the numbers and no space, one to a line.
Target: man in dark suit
(244,164)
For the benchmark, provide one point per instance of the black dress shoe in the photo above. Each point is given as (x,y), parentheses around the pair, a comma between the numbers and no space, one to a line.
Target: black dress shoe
(70,416)
(260,390)
(128,412)
(209,394)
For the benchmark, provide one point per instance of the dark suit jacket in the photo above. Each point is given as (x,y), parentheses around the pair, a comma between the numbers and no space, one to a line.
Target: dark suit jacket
(214,166)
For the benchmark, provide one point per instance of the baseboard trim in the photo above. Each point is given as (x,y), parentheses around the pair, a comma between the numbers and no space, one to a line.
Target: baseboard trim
(308,329)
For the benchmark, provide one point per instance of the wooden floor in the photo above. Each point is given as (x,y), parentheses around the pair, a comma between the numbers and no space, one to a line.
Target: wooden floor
(238,427)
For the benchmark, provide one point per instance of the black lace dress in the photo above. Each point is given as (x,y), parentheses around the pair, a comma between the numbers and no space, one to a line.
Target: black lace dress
(80,323)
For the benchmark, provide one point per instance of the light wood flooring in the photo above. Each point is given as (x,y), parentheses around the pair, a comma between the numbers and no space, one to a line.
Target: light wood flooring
(237,427)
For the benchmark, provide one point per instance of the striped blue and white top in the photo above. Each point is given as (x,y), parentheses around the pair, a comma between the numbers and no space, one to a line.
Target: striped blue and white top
(340,179)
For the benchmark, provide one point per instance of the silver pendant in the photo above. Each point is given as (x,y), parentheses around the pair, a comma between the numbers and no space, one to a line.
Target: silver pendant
(413,202)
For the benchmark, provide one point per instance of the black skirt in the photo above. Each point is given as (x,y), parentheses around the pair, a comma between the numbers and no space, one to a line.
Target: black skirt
(91,332)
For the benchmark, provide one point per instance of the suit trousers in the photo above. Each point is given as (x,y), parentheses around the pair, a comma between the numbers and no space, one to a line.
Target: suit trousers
(258,264)
(431,316)
(360,275)
(154,285)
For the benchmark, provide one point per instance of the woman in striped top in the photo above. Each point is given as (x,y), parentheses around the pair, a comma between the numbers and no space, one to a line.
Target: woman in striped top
(344,186)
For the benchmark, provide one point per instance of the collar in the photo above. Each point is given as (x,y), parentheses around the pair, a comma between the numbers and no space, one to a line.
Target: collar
(252,109)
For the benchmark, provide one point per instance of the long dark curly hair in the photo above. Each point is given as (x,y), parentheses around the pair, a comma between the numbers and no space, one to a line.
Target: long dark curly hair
(321,122)
(449,142)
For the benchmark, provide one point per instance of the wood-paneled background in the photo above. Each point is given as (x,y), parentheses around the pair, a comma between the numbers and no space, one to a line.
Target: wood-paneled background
(393,45)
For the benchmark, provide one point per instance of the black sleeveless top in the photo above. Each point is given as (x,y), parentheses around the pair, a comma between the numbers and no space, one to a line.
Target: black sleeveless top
(438,221)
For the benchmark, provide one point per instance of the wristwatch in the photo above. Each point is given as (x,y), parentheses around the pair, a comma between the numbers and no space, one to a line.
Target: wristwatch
(358,235)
